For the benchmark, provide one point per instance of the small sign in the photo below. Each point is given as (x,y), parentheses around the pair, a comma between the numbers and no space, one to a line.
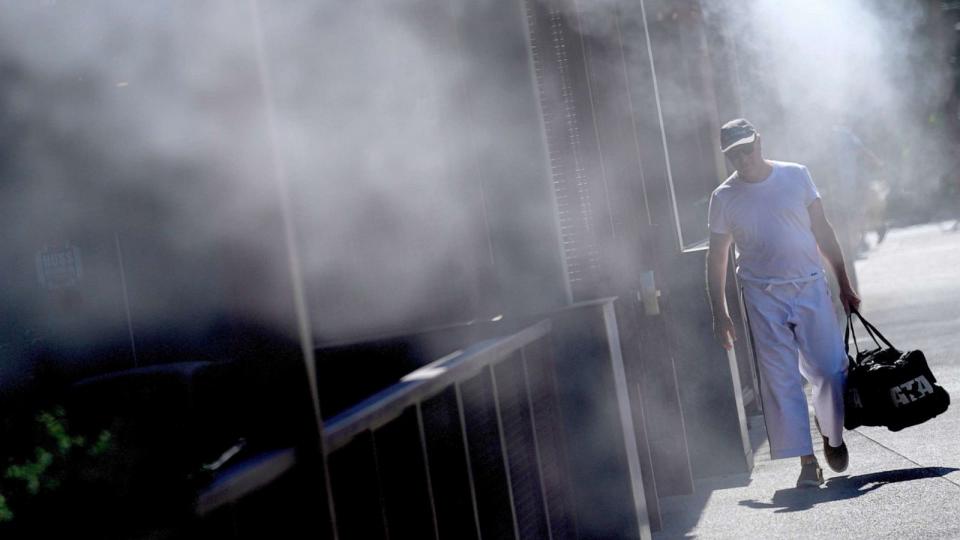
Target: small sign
(59,268)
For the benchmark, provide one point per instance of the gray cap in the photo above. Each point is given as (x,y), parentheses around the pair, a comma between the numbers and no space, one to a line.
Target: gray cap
(735,133)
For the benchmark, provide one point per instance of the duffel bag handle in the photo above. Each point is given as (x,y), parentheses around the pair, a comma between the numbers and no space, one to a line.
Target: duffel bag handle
(846,339)
(871,330)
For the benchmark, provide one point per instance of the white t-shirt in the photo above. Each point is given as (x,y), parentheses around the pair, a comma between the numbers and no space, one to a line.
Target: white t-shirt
(769,223)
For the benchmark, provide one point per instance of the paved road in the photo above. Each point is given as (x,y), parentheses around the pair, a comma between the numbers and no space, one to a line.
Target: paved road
(899,485)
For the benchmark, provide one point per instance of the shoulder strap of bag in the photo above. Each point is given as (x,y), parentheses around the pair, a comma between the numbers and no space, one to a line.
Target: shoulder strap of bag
(871,330)
(846,336)
(846,340)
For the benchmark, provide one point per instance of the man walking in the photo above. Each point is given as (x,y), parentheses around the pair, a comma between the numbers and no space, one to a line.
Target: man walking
(772,212)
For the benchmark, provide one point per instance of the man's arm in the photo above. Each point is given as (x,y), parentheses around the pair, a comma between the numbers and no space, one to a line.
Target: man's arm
(830,247)
(718,256)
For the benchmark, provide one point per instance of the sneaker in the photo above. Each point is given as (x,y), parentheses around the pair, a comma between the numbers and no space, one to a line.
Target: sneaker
(811,475)
(837,457)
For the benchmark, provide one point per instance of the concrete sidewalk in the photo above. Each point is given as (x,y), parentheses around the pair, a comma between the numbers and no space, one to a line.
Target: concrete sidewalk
(898,485)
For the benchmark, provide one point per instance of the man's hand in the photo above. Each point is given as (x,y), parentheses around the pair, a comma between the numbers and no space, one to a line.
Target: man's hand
(849,299)
(724,331)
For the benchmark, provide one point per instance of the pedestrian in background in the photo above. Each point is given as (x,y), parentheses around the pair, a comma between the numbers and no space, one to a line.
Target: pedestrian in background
(853,189)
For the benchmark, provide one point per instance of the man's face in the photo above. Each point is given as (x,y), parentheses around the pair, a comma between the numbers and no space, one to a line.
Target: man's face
(741,156)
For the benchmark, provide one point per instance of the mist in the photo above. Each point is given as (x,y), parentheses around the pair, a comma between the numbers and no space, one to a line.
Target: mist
(154,138)
(806,68)
(165,139)
(391,166)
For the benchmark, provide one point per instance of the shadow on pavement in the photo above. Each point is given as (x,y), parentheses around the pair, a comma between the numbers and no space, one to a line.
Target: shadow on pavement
(841,488)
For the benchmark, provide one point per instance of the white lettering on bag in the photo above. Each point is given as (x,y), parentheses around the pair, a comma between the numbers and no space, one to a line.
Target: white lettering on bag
(910,391)
(855,395)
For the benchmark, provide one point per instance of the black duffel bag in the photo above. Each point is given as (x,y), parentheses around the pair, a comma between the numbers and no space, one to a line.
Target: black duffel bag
(887,387)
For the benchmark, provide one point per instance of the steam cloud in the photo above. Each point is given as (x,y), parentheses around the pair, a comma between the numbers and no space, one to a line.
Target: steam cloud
(144,126)
(148,124)
(870,67)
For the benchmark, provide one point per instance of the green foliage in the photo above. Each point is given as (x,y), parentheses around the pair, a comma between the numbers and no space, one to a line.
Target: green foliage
(5,513)
(32,472)
(102,445)
(54,461)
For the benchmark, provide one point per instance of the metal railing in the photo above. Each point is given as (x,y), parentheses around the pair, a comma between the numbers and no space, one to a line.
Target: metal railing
(528,435)
(469,446)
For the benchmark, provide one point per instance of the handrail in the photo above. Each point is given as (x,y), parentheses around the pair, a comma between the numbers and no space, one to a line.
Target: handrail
(375,411)
(244,478)
(424,382)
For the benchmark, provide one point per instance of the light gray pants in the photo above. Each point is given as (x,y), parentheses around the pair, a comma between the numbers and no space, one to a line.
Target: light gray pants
(796,333)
